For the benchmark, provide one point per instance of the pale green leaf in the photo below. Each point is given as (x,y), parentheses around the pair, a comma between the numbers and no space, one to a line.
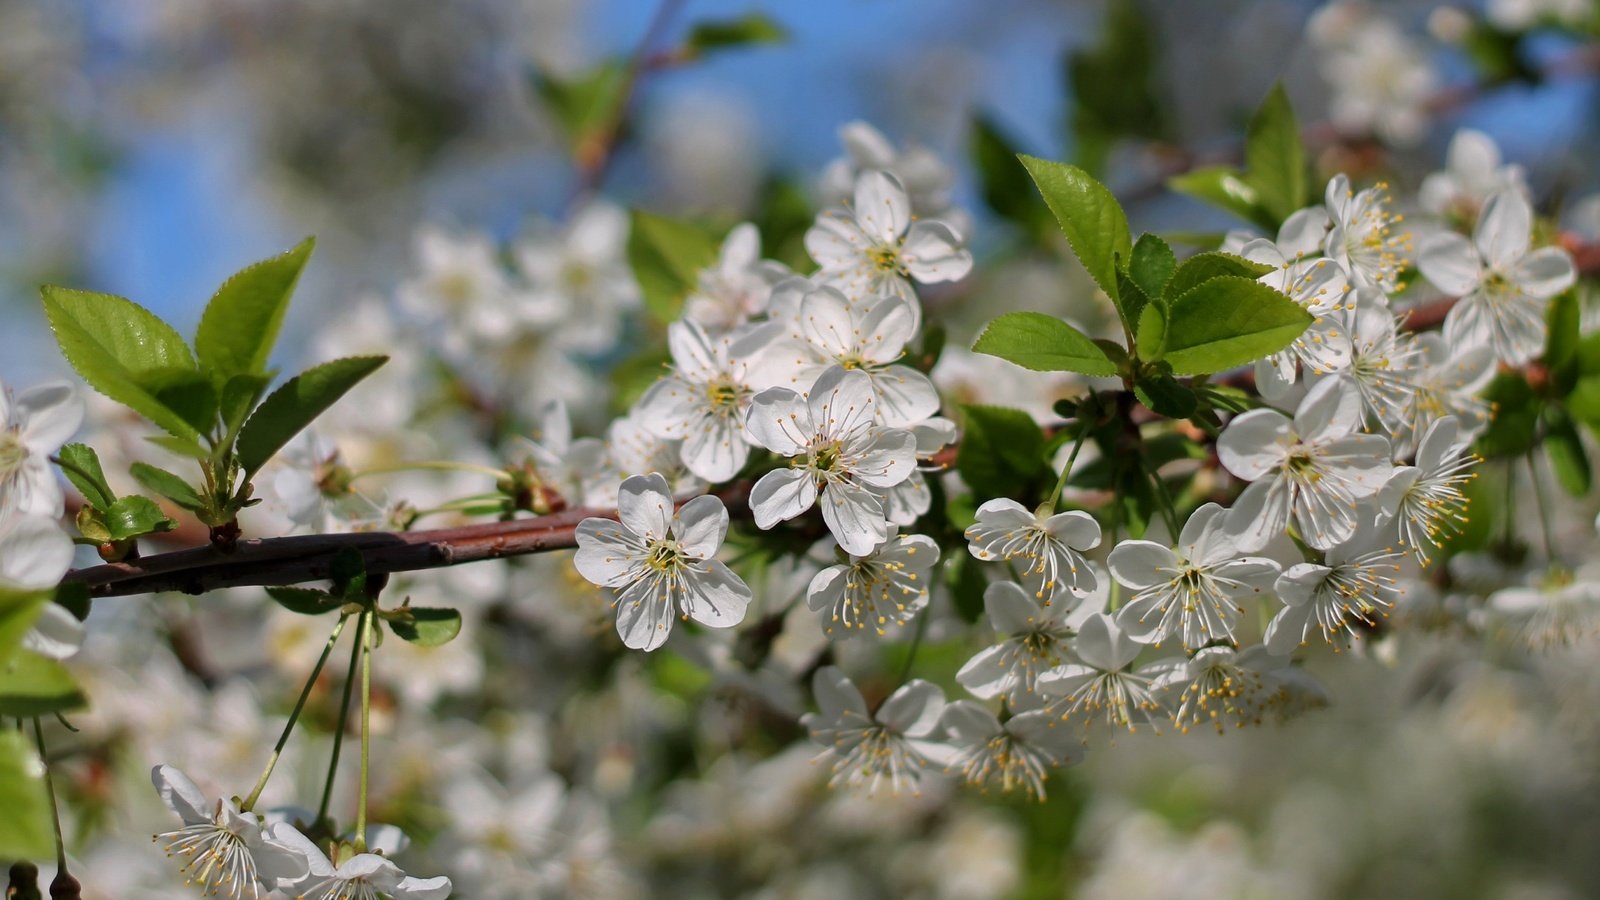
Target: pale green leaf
(1090,216)
(1043,343)
(290,408)
(242,321)
(1229,321)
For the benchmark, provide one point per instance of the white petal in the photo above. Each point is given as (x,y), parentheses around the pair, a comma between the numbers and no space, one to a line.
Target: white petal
(836,694)
(1545,272)
(1010,609)
(888,324)
(933,253)
(829,322)
(51,414)
(644,504)
(34,551)
(905,396)
(670,408)
(1504,229)
(1260,514)
(854,515)
(700,526)
(413,888)
(780,495)
(1075,528)
(1450,262)
(986,674)
(644,615)
(1329,410)
(881,206)
(780,421)
(715,448)
(914,709)
(1250,446)
(717,598)
(969,723)
(1287,629)
(1137,564)
(181,795)
(842,401)
(56,634)
(607,552)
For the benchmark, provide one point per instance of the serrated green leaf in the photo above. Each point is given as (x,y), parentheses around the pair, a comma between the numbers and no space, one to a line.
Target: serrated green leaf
(81,465)
(290,408)
(1229,321)
(305,601)
(1275,159)
(1151,335)
(241,323)
(1152,266)
(428,627)
(1203,267)
(751,28)
(132,516)
(1563,446)
(1089,215)
(1222,187)
(179,446)
(1001,452)
(112,343)
(1044,344)
(34,685)
(167,485)
(240,394)
(667,256)
(25,829)
(187,392)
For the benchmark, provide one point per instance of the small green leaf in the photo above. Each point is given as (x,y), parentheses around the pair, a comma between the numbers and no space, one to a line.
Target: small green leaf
(18,610)
(187,392)
(34,685)
(1002,451)
(1152,265)
(1229,321)
(1151,336)
(240,394)
(167,485)
(1006,186)
(1514,430)
(667,256)
(348,572)
(428,627)
(1164,395)
(1044,344)
(25,829)
(113,343)
(1203,267)
(1564,335)
(133,516)
(1275,160)
(305,601)
(242,321)
(179,446)
(1090,216)
(290,408)
(751,28)
(1222,187)
(81,465)
(585,106)
(1563,446)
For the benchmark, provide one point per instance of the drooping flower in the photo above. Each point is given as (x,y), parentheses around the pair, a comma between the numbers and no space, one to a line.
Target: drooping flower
(223,850)
(1226,686)
(33,425)
(1016,755)
(658,562)
(1050,546)
(1195,591)
(1425,501)
(891,748)
(1310,470)
(887,587)
(1034,636)
(1503,287)
(1103,684)
(874,247)
(361,876)
(1355,582)
(840,457)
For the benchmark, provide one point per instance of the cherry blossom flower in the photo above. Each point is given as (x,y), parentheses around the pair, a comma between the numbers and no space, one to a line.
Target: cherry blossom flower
(926,178)
(658,562)
(1016,755)
(1035,637)
(841,458)
(888,586)
(1503,287)
(1310,470)
(1364,238)
(1226,686)
(1354,583)
(875,248)
(737,287)
(1425,501)
(1103,682)
(891,748)
(223,849)
(1472,174)
(362,876)
(1051,545)
(33,425)
(1195,591)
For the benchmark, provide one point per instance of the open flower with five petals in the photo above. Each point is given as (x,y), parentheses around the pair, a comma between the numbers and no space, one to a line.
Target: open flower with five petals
(888,586)
(890,748)
(223,849)
(1050,545)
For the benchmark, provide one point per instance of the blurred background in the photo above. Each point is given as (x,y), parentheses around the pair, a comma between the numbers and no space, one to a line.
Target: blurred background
(150,149)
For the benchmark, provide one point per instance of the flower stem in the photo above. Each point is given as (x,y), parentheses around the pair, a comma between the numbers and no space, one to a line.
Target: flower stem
(916,643)
(365,641)
(1544,511)
(294,716)
(1168,511)
(1066,470)
(55,811)
(439,464)
(338,734)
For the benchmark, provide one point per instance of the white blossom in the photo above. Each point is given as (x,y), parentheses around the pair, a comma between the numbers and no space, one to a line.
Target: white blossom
(884,588)
(1426,501)
(1050,546)
(658,562)
(1355,582)
(33,425)
(1016,755)
(34,554)
(887,749)
(737,287)
(1034,639)
(363,876)
(874,247)
(223,850)
(1102,682)
(1365,238)
(1473,172)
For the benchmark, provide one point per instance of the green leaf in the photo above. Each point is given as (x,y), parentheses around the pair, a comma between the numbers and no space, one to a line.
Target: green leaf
(113,344)
(1044,344)
(667,256)
(586,106)
(187,392)
(34,685)
(297,404)
(133,516)
(1151,266)
(81,465)
(1002,451)
(25,829)
(1275,160)
(1089,215)
(428,626)
(18,610)
(751,28)
(1203,267)
(1150,338)
(1563,446)
(1164,395)
(305,601)
(1229,321)
(1514,430)
(1564,336)
(1222,187)
(241,323)
(1114,85)
(1005,185)
(964,573)
(179,446)
(167,485)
